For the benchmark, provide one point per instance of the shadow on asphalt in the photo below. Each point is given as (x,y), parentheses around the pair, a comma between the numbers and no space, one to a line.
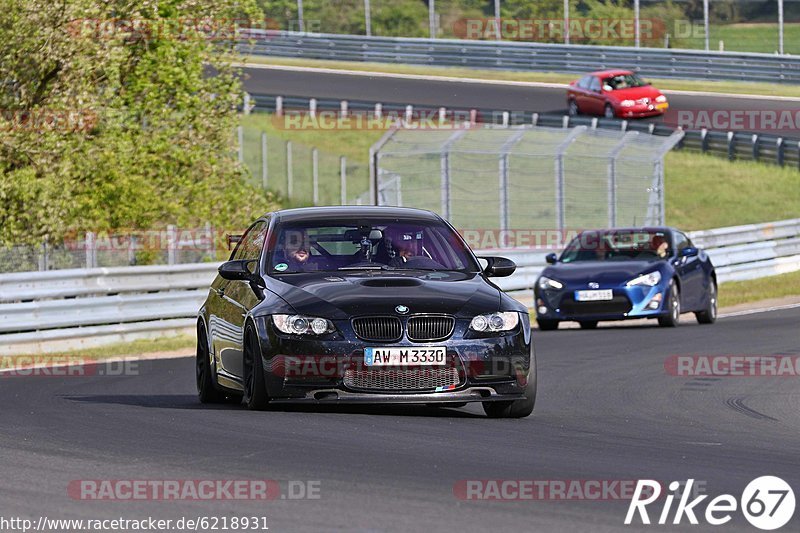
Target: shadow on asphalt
(189,401)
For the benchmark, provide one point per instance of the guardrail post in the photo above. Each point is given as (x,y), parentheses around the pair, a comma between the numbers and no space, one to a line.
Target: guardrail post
(315,175)
(312,107)
(247,107)
(442,116)
(378,113)
(240,140)
(343,108)
(343,179)
(279,106)
(565,121)
(535,119)
(264,167)
(409,113)
(779,151)
(754,140)
(704,140)
(731,147)
(289,170)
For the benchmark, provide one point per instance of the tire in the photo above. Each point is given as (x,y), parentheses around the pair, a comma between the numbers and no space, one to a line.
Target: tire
(515,408)
(255,389)
(206,390)
(709,314)
(674,306)
(608,112)
(547,325)
(572,107)
(588,324)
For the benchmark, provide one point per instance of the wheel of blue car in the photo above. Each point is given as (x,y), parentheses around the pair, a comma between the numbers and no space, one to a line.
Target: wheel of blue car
(709,314)
(514,408)
(255,389)
(674,306)
(547,325)
(206,390)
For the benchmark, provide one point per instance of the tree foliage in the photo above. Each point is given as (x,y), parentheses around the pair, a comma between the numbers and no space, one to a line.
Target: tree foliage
(110,119)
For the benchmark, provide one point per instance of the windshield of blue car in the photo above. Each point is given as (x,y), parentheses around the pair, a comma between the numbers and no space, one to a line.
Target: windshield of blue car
(332,246)
(624,81)
(617,246)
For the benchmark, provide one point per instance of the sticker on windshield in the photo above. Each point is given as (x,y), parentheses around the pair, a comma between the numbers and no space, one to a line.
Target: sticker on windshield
(280,267)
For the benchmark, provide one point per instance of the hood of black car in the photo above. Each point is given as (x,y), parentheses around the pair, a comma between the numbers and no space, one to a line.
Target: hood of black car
(345,295)
(604,272)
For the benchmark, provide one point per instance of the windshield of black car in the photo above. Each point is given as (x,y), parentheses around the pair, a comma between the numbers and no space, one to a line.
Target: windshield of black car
(617,246)
(371,244)
(624,81)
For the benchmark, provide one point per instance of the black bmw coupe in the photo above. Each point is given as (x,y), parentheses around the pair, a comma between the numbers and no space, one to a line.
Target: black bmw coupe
(363,305)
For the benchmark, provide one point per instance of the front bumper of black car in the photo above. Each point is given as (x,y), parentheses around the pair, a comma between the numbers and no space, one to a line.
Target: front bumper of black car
(331,369)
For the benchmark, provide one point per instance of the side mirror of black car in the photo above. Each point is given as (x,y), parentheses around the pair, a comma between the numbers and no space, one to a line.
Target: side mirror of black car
(551,259)
(499,267)
(242,270)
(689,251)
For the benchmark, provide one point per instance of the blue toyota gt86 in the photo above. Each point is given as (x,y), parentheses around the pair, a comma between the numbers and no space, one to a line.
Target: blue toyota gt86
(619,274)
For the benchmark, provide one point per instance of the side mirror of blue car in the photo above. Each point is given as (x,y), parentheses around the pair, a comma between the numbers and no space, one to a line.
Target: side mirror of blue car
(689,251)
(551,259)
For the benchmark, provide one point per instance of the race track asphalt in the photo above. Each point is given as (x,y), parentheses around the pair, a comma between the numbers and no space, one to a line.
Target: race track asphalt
(468,95)
(606,410)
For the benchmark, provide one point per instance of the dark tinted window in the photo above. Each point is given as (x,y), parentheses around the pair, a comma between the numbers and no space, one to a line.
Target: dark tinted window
(682,241)
(252,242)
(617,245)
(378,244)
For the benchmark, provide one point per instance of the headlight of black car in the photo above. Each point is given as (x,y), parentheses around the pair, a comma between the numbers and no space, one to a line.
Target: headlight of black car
(302,325)
(495,322)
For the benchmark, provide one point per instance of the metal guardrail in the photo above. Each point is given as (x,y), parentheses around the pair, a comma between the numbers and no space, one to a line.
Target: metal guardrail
(739,145)
(543,57)
(69,309)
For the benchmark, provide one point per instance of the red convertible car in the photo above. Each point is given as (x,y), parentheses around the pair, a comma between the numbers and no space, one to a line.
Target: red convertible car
(615,93)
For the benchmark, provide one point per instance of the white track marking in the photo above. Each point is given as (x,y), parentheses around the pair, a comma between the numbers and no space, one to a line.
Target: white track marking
(762,310)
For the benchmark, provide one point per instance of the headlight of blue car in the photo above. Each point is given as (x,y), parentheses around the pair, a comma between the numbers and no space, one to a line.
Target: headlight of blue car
(649,280)
(546,283)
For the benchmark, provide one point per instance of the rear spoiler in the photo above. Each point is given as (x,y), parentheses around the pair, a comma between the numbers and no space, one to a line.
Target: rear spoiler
(233,239)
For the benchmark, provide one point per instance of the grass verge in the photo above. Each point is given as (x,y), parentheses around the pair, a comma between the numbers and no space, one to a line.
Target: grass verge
(133,348)
(739,292)
(732,87)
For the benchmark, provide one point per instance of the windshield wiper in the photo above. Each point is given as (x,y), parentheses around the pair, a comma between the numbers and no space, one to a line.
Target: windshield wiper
(366,267)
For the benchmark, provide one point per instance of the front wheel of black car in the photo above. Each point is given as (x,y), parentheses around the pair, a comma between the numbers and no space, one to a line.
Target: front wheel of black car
(205,386)
(709,314)
(515,408)
(255,389)
(674,306)
(547,325)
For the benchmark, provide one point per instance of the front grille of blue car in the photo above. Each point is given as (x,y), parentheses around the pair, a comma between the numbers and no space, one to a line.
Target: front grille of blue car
(618,305)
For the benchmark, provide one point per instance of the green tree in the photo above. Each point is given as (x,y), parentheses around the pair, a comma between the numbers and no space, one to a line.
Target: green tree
(112,121)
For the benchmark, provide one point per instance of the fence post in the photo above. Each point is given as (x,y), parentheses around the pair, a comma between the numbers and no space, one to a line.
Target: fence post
(172,244)
(315,175)
(374,164)
(240,139)
(613,155)
(264,168)
(289,170)
(779,151)
(89,248)
(367,18)
(444,173)
(559,174)
(132,250)
(503,174)
(343,178)
(246,108)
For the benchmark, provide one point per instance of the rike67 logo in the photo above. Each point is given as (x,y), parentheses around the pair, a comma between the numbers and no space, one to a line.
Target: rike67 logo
(767,503)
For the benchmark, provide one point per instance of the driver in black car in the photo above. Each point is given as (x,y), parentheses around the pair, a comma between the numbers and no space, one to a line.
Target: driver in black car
(406,249)
(297,252)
